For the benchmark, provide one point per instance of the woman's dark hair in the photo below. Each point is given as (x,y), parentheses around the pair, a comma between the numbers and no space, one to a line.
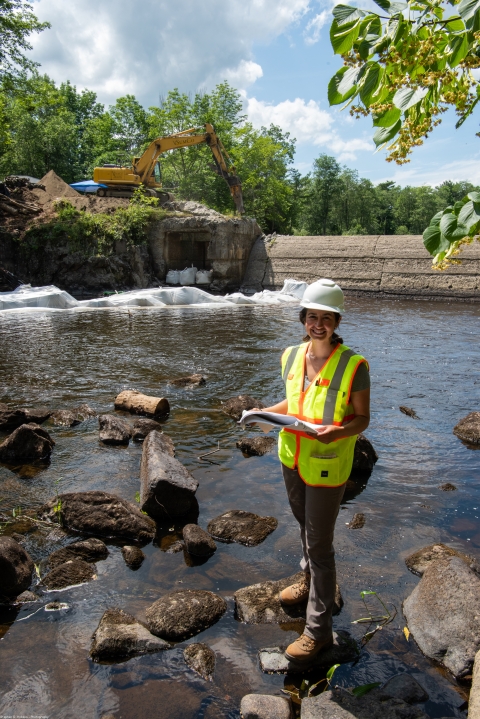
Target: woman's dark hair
(334,339)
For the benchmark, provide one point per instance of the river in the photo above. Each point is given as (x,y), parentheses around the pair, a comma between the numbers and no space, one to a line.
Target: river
(421,355)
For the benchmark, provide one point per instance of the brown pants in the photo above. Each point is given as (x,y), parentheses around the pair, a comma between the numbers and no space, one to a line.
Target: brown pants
(316,510)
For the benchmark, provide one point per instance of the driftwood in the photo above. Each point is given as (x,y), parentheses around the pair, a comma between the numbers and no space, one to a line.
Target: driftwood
(137,403)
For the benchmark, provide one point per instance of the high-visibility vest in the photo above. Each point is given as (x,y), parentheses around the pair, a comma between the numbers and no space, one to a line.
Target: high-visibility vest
(325,401)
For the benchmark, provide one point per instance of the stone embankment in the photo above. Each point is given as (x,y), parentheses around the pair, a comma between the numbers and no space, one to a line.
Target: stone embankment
(392,265)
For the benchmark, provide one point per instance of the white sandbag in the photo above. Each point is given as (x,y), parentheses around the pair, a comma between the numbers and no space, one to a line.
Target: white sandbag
(204,277)
(26,297)
(173,277)
(187,276)
(294,288)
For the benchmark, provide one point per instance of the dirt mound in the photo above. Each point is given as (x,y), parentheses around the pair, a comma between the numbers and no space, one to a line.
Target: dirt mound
(54,187)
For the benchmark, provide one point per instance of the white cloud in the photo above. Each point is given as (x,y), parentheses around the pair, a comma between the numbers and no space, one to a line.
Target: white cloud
(435,174)
(314,26)
(146,48)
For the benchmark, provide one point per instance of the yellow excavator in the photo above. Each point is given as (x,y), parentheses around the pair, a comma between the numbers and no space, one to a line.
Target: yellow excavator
(122,181)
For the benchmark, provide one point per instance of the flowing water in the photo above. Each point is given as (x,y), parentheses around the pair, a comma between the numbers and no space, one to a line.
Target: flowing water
(421,354)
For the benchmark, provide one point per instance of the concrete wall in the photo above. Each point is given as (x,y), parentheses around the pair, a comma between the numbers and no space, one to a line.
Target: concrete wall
(383,264)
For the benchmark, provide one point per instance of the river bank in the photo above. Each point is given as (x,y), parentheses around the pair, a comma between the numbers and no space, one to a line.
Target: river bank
(65,359)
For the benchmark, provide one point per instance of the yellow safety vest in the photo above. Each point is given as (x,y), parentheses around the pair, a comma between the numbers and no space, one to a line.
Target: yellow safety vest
(325,401)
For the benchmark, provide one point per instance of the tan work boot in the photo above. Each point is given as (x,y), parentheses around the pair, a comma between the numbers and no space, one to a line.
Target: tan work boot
(304,649)
(296,593)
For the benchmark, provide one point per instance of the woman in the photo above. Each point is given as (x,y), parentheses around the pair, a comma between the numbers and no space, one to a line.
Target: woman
(327,384)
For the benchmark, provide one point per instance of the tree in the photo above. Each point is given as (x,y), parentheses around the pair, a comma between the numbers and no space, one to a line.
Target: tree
(325,184)
(17,22)
(404,67)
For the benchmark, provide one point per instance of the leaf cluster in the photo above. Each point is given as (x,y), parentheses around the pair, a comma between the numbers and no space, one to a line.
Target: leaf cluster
(451,228)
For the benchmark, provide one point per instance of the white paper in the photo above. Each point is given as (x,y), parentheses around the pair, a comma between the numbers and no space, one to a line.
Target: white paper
(267,420)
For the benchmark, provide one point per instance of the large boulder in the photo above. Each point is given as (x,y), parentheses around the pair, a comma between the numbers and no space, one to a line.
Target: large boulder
(443,614)
(420,560)
(16,568)
(256,446)
(265,706)
(167,488)
(260,603)
(201,659)
(344,650)
(474,699)
(468,429)
(99,513)
(120,636)
(197,541)
(235,406)
(114,430)
(90,550)
(242,527)
(69,574)
(339,703)
(10,419)
(184,613)
(28,443)
(364,459)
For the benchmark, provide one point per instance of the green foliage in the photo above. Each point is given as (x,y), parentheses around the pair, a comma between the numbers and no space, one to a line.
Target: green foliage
(137,497)
(452,228)
(363,689)
(17,22)
(405,66)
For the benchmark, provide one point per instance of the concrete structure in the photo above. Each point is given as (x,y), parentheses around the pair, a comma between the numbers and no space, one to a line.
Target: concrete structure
(377,264)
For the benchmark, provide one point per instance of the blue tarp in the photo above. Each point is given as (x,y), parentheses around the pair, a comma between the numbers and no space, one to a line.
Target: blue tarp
(86,186)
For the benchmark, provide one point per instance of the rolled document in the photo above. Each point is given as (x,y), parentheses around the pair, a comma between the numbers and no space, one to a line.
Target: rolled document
(268,420)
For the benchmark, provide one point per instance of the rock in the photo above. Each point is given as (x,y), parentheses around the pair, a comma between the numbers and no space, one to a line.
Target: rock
(474,699)
(10,419)
(26,598)
(120,636)
(242,527)
(443,614)
(26,444)
(340,704)
(409,412)
(185,613)
(265,706)
(167,488)
(16,568)
(193,380)
(142,426)
(198,541)
(55,606)
(138,403)
(364,459)
(69,574)
(259,603)
(133,556)
(406,688)
(256,446)
(419,561)
(114,430)
(236,405)
(201,659)
(71,417)
(358,521)
(344,650)
(468,429)
(99,513)
(447,487)
(90,550)
(174,547)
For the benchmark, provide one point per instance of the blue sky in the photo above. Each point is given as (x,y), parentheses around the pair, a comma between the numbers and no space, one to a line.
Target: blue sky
(277,53)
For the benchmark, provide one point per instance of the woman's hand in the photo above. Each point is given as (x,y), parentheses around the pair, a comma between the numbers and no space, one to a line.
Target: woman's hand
(329,433)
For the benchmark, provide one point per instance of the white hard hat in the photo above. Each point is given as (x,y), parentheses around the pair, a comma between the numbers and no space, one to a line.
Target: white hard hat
(323,295)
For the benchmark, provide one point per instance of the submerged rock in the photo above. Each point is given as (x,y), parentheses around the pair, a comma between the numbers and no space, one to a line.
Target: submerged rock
(69,574)
(142,426)
(138,403)
(338,703)
(443,614)
(185,613)
(90,550)
(71,417)
(406,688)
(260,603)
(468,429)
(10,419)
(447,487)
(198,541)
(99,513)
(167,488)
(236,405)
(265,706)
(133,556)
(241,527)
(193,380)
(114,430)
(256,446)
(364,459)
(16,568)
(201,659)
(343,650)
(419,561)
(120,636)
(28,443)
(358,521)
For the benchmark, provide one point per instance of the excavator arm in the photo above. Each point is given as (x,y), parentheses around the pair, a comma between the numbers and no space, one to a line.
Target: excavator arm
(144,165)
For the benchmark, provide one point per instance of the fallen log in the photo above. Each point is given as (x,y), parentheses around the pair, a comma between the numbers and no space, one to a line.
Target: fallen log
(138,403)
